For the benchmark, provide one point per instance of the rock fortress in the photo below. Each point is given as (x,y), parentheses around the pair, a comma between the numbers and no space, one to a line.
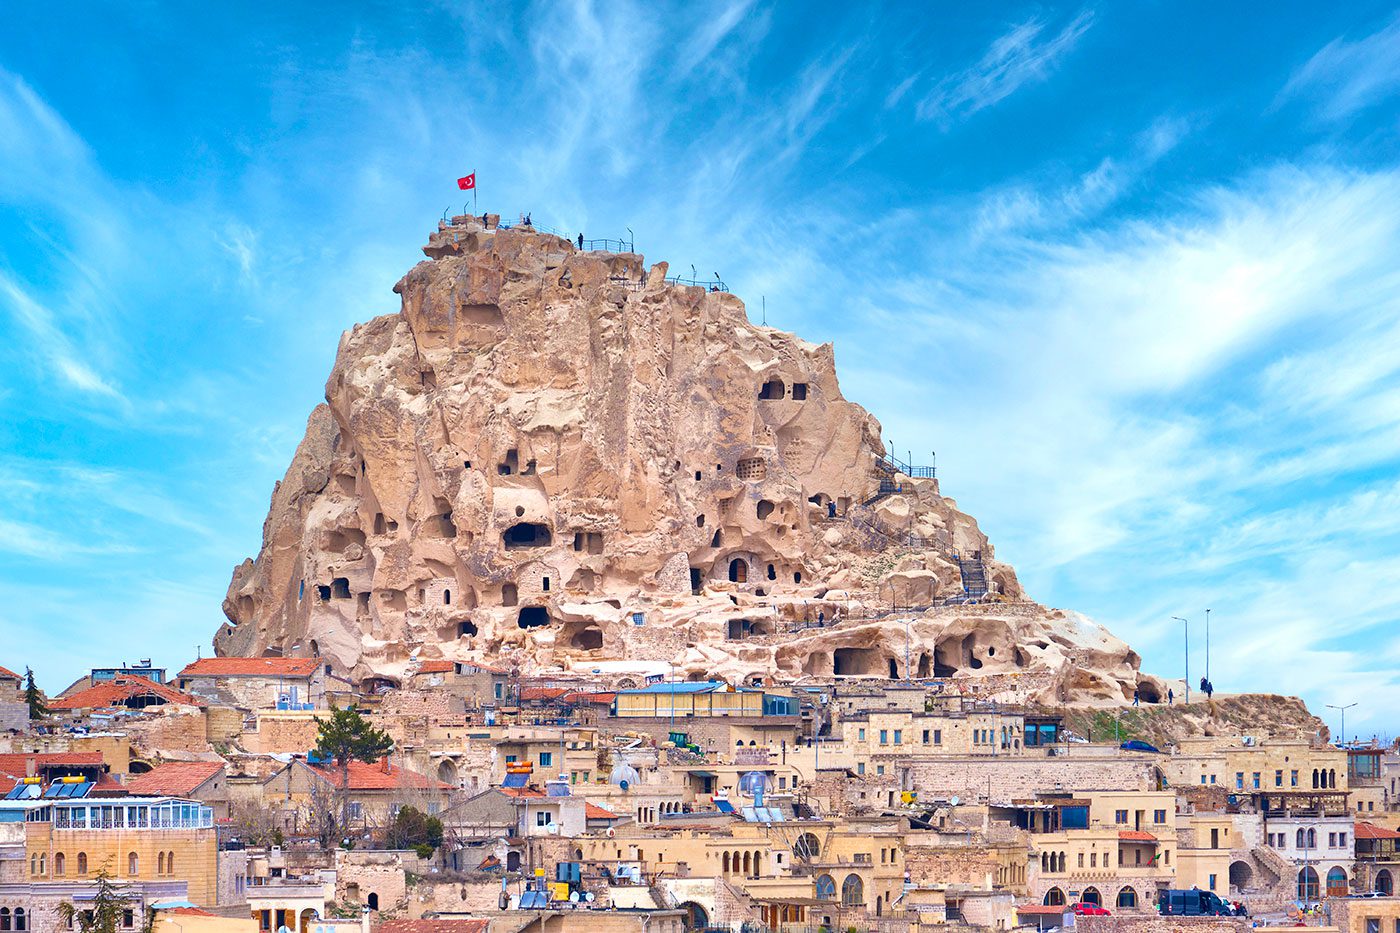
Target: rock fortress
(561,460)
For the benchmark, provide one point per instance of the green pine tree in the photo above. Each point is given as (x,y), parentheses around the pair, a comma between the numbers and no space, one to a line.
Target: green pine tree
(347,736)
(32,696)
(106,913)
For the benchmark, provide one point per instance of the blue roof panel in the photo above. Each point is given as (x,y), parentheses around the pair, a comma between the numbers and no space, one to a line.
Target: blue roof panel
(702,686)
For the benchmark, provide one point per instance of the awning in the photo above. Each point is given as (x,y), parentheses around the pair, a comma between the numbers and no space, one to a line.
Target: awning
(708,774)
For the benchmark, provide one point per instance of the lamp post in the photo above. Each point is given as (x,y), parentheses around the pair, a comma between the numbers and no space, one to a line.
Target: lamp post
(1187,631)
(1207,646)
(1343,711)
(907,637)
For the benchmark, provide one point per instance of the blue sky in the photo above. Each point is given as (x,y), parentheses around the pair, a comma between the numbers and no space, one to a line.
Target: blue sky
(1129,269)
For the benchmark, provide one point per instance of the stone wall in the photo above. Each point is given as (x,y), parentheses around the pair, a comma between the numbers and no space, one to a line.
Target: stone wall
(1152,923)
(1009,779)
(14,715)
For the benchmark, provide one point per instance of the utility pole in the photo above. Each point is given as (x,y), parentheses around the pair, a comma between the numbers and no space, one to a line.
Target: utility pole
(1187,631)
(1343,711)
(1207,646)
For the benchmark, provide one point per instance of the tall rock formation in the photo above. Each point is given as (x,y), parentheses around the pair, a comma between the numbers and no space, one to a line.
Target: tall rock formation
(558,460)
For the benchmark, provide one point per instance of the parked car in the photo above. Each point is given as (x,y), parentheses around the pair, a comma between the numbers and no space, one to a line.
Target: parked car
(1192,903)
(1137,745)
(1089,910)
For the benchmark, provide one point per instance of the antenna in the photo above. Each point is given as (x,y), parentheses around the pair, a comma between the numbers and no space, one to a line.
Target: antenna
(765,309)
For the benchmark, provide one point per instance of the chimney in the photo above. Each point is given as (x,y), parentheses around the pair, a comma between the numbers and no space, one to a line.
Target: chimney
(31,766)
(384,764)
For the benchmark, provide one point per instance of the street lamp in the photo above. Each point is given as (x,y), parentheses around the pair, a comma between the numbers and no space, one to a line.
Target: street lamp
(1187,631)
(1207,646)
(1343,711)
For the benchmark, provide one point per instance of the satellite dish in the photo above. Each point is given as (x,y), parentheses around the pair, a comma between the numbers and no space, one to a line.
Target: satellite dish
(624,785)
(552,829)
(954,800)
(588,896)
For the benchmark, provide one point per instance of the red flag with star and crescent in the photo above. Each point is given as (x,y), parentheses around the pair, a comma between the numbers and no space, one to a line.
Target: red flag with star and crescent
(468,182)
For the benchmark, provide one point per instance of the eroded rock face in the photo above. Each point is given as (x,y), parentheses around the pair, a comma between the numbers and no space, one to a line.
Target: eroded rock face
(544,443)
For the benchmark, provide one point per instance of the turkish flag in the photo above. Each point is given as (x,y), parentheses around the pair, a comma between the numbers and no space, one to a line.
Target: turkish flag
(468,183)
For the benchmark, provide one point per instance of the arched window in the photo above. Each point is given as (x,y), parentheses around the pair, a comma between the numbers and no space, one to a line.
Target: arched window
(1312,839)
(747,866)
(1302,839)
(738,570)
(82,863)
(1062,861)
(170,863)
(852,891)
(806,847)
(43,863)
(5,918)
(60,864)
(758,864)
(1384,883)
(160,863)
(373,901)
(1307,884)
(1045,861)
(1054,898)
(725,863)
(1091,896)
(1127,898)
(133,864)
(1337,882)
(21,921)
(826,888)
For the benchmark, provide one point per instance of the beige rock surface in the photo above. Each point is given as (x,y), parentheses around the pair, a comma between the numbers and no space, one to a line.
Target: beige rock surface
(545,446)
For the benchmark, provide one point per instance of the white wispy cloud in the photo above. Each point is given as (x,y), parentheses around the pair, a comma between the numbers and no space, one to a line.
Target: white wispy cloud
(1346,77)
(1020,56)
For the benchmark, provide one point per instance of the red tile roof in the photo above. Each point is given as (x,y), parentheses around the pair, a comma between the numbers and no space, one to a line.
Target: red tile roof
(365,776)
(252,667)
(15,766)
(542,693)
(1135,835)
(438,925)
(113,692)
(594,812)
(436,667)
(6,672)
(174,779)
(529,793)
(490,669)
(187,911)
(1366,830)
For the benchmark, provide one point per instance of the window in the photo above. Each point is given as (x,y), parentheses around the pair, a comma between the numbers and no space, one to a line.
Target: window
(899,736)
(926,734)
(884,737)
(133,864)
(1081,859)
(1278,778)
(1212,882)
(1293,777)
(170,863)
(82,863)
(544,818)
(1159,816)
(546,759)
(59,864)
(937,736)
(1239,780)
(1342,840)
(354,809)
(879,769)
(128,918)
(1120,816)
(1203,778)
(860,734)
(860,767)
(1331,840)
(1256,780)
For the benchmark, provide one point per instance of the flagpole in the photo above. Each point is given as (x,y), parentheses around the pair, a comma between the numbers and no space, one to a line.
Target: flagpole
(474,204)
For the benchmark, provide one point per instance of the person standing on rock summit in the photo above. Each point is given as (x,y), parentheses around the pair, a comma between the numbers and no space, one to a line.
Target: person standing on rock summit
(1171,697)
(580,241)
